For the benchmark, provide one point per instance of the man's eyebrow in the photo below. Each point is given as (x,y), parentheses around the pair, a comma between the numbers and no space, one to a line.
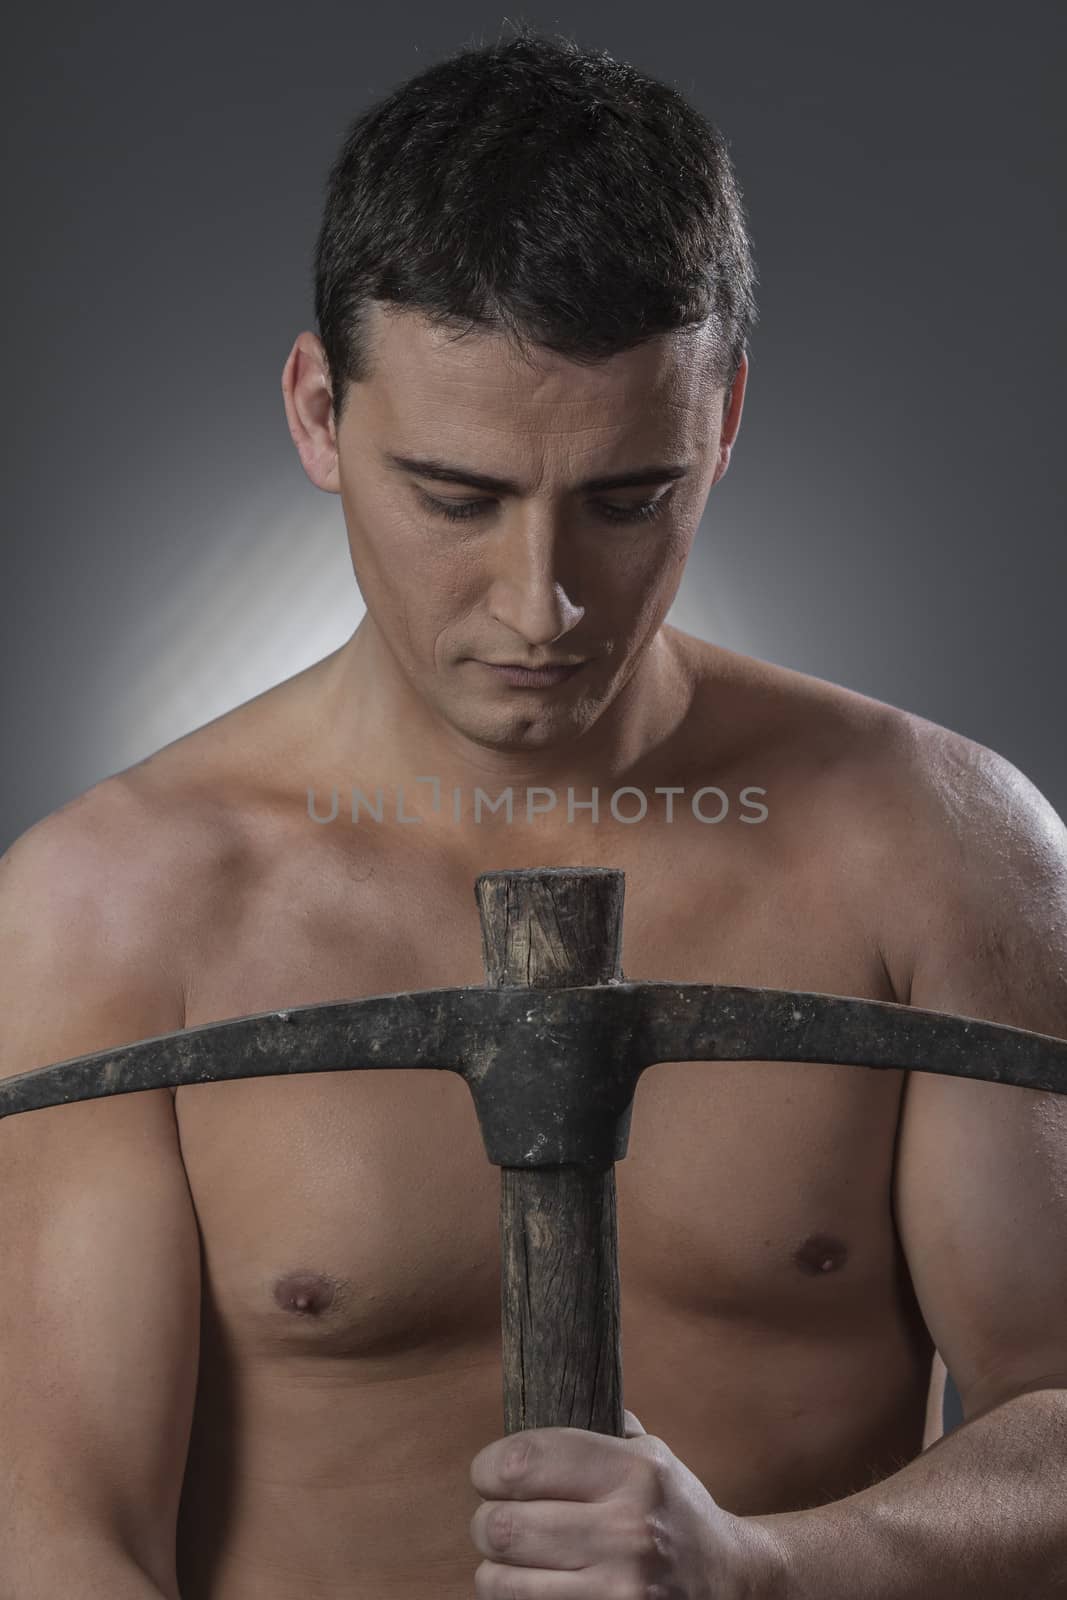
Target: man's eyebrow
(446,472)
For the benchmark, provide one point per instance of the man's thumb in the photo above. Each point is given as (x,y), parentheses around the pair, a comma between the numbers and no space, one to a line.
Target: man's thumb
(633,1427)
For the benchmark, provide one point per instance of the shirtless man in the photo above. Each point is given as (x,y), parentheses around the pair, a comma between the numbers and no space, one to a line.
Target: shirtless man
(250,1337)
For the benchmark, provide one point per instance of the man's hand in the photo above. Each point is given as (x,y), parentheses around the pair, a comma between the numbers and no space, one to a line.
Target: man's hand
(574,1515)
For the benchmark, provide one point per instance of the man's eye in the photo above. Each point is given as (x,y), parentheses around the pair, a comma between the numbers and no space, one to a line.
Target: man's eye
(464,510)
(455,510)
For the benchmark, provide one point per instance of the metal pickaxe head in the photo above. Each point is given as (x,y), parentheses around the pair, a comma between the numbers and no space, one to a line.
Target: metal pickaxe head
(552,1048)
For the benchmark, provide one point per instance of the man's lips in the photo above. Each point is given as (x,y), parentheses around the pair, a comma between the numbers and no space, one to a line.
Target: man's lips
(523,677)
(535,666)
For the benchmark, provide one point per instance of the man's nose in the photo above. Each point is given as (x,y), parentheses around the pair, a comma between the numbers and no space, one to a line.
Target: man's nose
(529,582)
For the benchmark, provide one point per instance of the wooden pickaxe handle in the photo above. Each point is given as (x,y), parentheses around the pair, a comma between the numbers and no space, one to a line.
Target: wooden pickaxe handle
(559,1254)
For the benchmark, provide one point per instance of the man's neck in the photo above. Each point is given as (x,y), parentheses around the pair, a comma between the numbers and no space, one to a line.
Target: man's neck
(370,730)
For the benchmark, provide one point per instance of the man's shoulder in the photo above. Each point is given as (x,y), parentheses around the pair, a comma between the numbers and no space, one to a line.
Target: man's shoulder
(924,794)
(931,827)
(920,766)
(126,827)
(90,843)
(86,910)
(964,845)
(130,859)
(164,843)
(958,797)
(794,721)
(194,800)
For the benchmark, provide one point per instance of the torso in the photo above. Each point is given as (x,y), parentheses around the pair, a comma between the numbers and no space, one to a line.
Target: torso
(350,1350)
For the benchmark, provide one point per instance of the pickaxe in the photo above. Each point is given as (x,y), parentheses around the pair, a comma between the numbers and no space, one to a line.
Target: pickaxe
(551,1048)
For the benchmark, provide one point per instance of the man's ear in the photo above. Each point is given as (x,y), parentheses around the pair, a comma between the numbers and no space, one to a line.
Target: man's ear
(733,405)
(306,388)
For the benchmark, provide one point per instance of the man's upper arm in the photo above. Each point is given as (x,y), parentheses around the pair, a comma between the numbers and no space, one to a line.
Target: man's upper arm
(99,1249)
(980,1188)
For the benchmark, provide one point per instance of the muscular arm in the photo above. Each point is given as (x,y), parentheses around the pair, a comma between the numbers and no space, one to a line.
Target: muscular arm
(978,1516)
(99,1254)
(980,1197)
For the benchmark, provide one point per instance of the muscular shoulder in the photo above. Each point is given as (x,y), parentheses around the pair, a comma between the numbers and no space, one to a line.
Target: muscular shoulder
(811,733)
(87,856)
(120,873)
(916,789)
(977,859)
(947,844)
(87,957)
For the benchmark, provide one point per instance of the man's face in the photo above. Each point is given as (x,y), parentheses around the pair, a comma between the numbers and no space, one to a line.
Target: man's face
(549,571)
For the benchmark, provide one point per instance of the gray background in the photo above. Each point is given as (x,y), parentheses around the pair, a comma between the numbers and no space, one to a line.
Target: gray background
(892,516)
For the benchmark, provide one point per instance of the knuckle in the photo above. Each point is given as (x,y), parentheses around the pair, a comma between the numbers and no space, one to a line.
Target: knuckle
(648,1472)
(635,1535)
(637,1589)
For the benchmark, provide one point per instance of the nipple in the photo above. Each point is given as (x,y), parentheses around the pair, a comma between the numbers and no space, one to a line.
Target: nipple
(821,1252)
(307,1293)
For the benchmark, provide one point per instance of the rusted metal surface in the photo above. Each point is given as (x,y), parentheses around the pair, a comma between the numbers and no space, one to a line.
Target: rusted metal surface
(553,1071)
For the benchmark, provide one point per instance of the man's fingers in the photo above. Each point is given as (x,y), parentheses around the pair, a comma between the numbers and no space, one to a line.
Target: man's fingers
(555,1536)
(555,1464)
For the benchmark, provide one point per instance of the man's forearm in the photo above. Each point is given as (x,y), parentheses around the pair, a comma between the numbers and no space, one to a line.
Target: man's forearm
(982,1513)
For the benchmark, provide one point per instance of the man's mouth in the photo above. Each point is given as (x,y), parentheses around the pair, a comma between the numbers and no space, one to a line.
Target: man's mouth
(521,677)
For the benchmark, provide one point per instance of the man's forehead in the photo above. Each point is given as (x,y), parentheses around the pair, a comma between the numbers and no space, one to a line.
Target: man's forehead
(417,362)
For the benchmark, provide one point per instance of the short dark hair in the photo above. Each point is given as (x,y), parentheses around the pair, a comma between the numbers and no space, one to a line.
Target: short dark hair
(539,189)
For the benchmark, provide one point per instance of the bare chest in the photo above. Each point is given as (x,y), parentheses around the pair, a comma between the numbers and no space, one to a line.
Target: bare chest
(356,1215)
